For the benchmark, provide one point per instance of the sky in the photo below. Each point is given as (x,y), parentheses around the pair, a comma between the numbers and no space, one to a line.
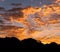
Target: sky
(7,3)
(30,19)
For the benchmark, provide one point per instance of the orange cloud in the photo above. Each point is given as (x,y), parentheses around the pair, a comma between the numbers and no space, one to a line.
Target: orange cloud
(39,23)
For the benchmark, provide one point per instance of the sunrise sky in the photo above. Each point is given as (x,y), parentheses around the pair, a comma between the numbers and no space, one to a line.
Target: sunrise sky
(37,19)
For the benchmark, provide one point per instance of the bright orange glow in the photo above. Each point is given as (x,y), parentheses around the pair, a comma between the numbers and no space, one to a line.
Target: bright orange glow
(37,23)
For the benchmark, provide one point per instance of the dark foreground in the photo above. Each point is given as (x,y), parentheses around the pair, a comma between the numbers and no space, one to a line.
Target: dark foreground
(28,43)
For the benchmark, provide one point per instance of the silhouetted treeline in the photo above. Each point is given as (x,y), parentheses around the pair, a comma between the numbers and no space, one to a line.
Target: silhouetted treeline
(27,43)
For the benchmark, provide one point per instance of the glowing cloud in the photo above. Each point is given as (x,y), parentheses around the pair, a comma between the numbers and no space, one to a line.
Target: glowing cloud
(39,23)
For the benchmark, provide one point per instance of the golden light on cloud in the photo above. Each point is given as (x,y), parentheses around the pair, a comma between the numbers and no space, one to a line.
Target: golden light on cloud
(36,23)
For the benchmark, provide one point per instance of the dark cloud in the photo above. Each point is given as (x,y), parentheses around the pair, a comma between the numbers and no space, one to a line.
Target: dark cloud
(1,22)
(16,4)
(15,9)
(8,27)
(2,8)
(14,12)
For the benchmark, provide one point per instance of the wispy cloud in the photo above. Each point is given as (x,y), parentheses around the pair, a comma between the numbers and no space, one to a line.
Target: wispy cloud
(41,23)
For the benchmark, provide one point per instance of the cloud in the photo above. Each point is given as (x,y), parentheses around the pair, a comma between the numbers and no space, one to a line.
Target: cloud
(16,4)
(2,8)
(40,23)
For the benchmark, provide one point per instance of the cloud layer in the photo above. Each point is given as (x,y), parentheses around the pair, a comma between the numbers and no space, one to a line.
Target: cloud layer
(40,23)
